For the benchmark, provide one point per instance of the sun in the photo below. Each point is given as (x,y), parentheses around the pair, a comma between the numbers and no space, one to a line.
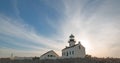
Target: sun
(86,44)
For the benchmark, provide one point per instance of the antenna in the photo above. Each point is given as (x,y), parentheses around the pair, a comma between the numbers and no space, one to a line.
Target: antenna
(11,54)
(11,57)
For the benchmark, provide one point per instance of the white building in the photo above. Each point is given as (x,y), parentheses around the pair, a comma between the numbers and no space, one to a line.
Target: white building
(49,55)
(73,50)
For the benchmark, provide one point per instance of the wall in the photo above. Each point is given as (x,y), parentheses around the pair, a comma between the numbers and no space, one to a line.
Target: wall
(78,52)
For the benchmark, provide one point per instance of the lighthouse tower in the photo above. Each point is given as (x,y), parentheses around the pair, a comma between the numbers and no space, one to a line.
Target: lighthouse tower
(71,40)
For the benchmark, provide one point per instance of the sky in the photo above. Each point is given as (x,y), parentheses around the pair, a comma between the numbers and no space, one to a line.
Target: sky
(33,27)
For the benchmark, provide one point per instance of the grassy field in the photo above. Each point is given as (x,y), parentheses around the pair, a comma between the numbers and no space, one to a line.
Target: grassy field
(70,60)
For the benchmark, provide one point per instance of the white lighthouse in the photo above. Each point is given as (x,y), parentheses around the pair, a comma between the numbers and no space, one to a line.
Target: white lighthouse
(73,50)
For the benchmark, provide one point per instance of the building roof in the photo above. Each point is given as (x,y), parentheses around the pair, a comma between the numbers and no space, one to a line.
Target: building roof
(73,46)
(71,36)
(49,52)
(70,47)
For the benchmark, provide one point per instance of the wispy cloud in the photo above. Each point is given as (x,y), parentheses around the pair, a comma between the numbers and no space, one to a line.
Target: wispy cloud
(20,34)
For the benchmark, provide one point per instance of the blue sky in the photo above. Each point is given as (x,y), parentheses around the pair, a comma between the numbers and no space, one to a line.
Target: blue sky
(33,27)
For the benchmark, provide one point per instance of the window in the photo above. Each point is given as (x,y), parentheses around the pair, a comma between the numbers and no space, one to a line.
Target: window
(51,55)
(72,52)
(48,56)
(67,53)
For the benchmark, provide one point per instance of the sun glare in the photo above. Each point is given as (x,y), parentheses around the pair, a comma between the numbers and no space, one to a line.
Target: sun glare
(86,44)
